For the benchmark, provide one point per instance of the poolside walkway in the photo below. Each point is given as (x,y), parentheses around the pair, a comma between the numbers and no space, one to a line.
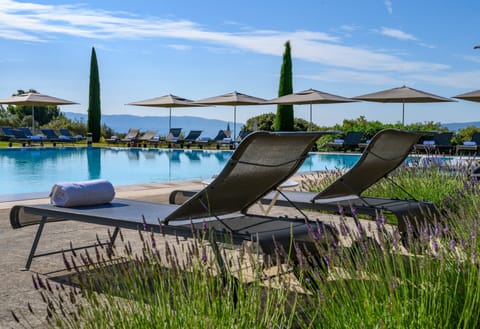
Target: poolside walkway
(16,288)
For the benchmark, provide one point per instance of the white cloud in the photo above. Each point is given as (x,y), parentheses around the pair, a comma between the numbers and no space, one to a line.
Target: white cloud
(179,47)
(462,80)
(37,22)
(388,4)
(474,59)
(362,78)
(397,34)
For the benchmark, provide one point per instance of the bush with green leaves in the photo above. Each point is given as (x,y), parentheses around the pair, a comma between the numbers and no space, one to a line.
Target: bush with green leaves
(266,121)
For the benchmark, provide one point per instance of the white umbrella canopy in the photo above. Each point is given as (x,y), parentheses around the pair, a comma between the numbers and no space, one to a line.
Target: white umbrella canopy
(167,101)
(310,96)
(402,95)
(234,99)
(35,99)
(472,96)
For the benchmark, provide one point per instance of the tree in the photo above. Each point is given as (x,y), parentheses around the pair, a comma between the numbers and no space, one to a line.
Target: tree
(284,117)
(94,111)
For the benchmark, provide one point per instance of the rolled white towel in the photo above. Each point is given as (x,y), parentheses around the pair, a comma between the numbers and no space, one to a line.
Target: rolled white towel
(86,193)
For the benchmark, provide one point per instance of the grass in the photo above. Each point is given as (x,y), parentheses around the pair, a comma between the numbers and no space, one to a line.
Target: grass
(369,279)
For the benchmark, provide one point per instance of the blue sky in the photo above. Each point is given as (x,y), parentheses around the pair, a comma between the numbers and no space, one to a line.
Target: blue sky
(198,49)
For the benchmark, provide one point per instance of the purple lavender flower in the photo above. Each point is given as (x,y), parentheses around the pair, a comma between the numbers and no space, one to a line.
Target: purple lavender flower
(435,246)
(327,260)
(452,244)
(153,241)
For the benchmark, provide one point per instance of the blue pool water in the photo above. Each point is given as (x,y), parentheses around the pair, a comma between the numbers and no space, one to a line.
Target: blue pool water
(30,170)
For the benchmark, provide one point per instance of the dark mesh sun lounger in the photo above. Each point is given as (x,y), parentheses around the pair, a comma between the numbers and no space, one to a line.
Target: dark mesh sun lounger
(387,151)
(267,159)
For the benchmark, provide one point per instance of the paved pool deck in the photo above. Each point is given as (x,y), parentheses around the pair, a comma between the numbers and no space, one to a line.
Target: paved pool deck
(16,287)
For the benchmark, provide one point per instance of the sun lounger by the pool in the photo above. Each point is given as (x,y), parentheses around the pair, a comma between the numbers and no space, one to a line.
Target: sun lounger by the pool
(65,132)
(441,143)
(6,133)
(173,136)
(230,142)
(260,164)
(189,140)
(471,146)
(150,136)
(51,136)
(387,150)
(216,141)
(131,136)
(349,142)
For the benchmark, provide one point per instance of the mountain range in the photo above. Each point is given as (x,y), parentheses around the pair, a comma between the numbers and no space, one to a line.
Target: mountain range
(121,123)
(455,126)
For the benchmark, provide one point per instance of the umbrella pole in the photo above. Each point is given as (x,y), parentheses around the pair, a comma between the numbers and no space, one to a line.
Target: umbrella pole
(169,119)
(403,114)
(234,123)
(33,118)
(311,126)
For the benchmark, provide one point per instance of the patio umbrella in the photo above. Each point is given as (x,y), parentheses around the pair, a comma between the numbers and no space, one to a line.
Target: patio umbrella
(473,96)
(168,101)
(235,99)
(310,96)
(402,95)
(35,99)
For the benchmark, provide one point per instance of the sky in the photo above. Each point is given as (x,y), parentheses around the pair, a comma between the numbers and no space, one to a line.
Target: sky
(198,49)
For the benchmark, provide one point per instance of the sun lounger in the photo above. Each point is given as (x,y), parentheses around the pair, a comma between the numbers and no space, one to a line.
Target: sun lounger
(189,140)
(6,133)
(471,146)
(51,136)
(230,142)
(150,136)
(441,143)
(131,136)
(348,143)
(260,164)
(112,140)
(17,135)
(386,151)
(174,135)
(65,132)
(28,133)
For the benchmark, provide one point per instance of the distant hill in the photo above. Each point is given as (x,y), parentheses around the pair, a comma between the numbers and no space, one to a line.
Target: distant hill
(455,126)
(121,123)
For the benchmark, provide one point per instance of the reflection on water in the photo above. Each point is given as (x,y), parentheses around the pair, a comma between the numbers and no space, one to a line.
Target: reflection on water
(37,169)
(94,159)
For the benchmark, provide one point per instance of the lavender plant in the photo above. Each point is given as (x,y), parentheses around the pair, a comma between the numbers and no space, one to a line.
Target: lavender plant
(369,277)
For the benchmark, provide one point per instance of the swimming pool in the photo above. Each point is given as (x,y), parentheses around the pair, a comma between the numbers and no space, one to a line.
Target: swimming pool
(30,170)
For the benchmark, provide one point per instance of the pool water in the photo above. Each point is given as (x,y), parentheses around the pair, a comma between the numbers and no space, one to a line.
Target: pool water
(29,170)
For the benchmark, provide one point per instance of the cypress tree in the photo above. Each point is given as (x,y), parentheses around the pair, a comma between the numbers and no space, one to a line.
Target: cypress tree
(94,111)
(284,117)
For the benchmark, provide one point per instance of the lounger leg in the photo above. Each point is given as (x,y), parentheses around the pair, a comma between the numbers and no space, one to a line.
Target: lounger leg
(35,243)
